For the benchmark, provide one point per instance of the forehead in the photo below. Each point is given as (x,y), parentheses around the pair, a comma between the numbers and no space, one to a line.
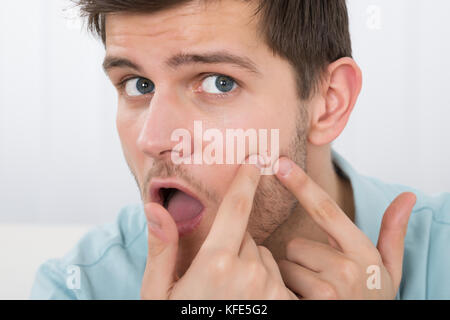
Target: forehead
(200,25)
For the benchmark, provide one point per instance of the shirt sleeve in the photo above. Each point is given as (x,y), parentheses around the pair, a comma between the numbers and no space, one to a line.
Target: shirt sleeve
(438,275)
(50,284)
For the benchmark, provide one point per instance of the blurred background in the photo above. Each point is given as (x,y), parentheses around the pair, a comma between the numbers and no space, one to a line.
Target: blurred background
(61,165)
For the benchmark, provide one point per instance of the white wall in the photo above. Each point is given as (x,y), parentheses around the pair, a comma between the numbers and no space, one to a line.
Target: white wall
(400,128)
(60,158)
(33,244)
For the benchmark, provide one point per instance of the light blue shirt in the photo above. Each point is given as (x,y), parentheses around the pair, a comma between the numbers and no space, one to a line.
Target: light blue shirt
(109,261)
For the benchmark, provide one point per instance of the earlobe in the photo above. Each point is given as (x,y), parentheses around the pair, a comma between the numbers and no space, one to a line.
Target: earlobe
(339,93)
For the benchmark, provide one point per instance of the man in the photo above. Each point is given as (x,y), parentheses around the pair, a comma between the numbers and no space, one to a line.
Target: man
(314,230)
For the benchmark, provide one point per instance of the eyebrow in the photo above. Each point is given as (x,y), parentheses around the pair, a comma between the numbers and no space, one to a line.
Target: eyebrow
(181,59)
(213,58)
(111,62)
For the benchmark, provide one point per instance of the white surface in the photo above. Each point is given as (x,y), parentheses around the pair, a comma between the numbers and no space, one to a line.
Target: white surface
(24,247)
(399,130)
(60,157)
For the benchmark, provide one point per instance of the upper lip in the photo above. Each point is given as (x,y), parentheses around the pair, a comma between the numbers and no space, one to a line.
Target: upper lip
(157,184)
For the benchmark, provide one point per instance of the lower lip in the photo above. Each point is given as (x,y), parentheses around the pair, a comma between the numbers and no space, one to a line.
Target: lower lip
(187,226)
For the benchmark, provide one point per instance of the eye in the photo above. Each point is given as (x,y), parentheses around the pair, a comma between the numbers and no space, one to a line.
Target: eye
(139,86)
(218,84)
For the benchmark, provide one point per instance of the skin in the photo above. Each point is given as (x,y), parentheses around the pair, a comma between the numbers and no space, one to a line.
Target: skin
(244,235)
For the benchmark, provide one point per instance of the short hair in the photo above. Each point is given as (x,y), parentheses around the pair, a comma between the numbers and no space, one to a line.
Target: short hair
(309,34)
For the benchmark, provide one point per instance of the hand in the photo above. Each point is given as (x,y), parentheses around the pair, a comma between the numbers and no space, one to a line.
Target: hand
(315,270)
(229,264)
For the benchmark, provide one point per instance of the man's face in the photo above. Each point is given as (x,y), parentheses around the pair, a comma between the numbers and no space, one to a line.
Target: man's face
(259,92)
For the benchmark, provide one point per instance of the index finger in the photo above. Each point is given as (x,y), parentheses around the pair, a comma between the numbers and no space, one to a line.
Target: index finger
(229,226)
(321,207)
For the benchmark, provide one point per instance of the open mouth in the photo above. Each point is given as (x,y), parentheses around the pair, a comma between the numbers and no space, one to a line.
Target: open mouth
(178,201)
(166,194)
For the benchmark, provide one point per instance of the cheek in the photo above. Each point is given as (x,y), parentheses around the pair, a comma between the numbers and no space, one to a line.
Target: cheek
(215,178)
(284,120)
(125,132)
(128,131)
(272,205)
(268,112)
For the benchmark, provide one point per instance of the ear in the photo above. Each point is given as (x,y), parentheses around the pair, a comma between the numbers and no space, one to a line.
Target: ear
(331,111)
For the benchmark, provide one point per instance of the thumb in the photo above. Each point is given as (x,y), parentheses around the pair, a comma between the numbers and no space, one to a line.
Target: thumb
(393,232)
(159,275)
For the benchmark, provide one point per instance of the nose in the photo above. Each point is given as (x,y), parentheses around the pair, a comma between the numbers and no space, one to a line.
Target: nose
(164,115)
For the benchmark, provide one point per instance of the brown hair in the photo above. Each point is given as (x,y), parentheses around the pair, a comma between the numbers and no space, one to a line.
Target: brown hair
(310,34)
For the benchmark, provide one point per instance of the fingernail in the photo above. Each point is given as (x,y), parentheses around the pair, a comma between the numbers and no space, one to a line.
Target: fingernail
(284,167)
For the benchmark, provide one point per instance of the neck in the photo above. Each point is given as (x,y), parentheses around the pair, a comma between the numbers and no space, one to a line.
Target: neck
(299,224)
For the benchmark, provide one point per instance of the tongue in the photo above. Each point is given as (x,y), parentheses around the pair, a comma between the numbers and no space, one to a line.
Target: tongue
(183,207)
